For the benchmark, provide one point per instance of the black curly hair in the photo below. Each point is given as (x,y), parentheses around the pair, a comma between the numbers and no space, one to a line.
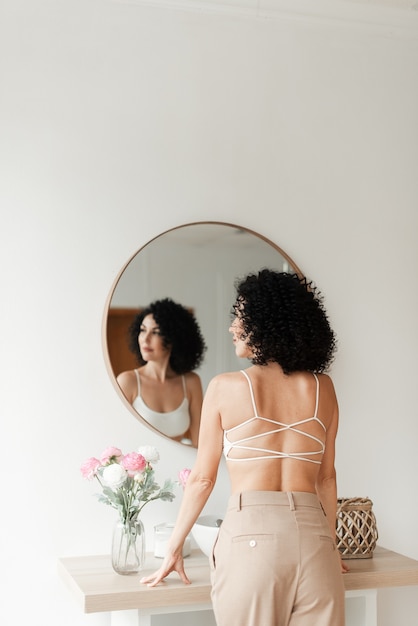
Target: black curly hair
(179,331)
(284,321)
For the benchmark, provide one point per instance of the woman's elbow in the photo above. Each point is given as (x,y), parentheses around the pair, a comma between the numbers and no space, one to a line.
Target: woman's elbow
(201,484)
(326,481)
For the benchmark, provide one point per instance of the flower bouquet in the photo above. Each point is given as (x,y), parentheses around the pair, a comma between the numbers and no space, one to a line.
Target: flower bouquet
(128,484)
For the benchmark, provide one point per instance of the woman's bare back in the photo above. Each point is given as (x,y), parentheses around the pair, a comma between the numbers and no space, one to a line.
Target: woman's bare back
(279,443)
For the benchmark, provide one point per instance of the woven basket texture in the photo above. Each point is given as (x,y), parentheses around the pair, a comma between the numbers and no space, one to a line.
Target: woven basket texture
(356,528)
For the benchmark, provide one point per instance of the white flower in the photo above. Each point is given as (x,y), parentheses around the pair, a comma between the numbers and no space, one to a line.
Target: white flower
(150,454)
(139,478)
(114,475)
(127,480)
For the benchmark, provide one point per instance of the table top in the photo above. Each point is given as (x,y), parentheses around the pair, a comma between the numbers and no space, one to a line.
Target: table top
(98,588)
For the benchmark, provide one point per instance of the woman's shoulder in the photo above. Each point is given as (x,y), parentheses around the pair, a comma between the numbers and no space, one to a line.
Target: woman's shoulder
(228,379)
(191,376)
(310,377)
(306,382)
(306,385)
(127,381)
(192,379)
(127,375)
(325,381)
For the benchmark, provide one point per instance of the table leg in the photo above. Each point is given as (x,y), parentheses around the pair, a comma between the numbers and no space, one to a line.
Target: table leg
(132,617)
(143,617)
(369,608)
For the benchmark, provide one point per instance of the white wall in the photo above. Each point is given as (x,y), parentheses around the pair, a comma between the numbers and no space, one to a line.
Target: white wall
(119,121)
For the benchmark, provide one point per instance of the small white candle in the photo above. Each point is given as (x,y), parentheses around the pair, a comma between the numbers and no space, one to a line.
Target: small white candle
(162,534)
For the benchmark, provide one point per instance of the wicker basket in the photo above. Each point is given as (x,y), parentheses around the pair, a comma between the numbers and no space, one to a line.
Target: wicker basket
(356,528)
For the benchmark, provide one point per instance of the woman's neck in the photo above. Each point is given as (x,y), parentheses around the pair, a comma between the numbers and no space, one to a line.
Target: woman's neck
(160,370)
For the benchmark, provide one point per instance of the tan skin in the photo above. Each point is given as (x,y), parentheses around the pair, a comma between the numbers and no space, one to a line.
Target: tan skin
(161,387)
(284,398)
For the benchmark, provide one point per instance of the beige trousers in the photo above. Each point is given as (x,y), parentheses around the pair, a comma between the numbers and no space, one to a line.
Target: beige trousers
(275,563)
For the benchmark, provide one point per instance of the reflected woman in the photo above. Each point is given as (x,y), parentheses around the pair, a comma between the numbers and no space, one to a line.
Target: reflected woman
(167,341)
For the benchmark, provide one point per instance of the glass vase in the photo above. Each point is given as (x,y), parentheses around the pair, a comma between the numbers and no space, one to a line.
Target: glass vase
(128,547)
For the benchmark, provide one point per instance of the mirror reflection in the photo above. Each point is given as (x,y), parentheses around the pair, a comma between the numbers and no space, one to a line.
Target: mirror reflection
(196,267)
(165,390)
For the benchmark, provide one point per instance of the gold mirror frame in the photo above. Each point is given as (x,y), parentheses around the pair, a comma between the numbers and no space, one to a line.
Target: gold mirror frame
(223,252)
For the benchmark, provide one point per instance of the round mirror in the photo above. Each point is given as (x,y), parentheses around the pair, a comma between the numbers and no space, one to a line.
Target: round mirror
(195,265)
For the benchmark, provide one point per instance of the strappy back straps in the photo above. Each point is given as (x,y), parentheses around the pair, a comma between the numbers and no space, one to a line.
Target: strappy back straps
(315,415)
(317,396)
(251,392)
(248,444)
(138,382)
(184,386)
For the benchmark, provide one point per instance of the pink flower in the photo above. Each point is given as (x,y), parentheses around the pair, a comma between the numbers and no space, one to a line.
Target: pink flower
(183,476)
(89,468)
(134,463)
(110,454)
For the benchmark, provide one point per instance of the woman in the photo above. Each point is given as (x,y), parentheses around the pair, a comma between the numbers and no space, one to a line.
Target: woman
(166,339)
(275,560)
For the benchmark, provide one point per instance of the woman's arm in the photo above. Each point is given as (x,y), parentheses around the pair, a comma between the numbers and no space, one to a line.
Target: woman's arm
(326,483)
(128,384)
(198,488)
(195,394)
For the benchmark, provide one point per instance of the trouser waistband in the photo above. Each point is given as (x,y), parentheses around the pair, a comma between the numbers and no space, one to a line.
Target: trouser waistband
(291,499)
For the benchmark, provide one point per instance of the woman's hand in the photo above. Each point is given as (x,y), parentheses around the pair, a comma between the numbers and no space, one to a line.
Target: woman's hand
(170,564)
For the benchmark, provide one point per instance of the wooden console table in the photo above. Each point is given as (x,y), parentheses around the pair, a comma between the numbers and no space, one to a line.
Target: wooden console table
(98,588)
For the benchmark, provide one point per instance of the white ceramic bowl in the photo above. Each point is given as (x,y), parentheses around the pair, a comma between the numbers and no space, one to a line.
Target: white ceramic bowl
(205,531)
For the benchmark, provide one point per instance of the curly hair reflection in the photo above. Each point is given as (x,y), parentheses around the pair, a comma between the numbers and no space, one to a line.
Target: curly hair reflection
(179,331)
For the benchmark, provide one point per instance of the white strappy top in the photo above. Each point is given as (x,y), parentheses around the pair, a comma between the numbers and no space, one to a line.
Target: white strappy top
(245,443)
(173,423)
